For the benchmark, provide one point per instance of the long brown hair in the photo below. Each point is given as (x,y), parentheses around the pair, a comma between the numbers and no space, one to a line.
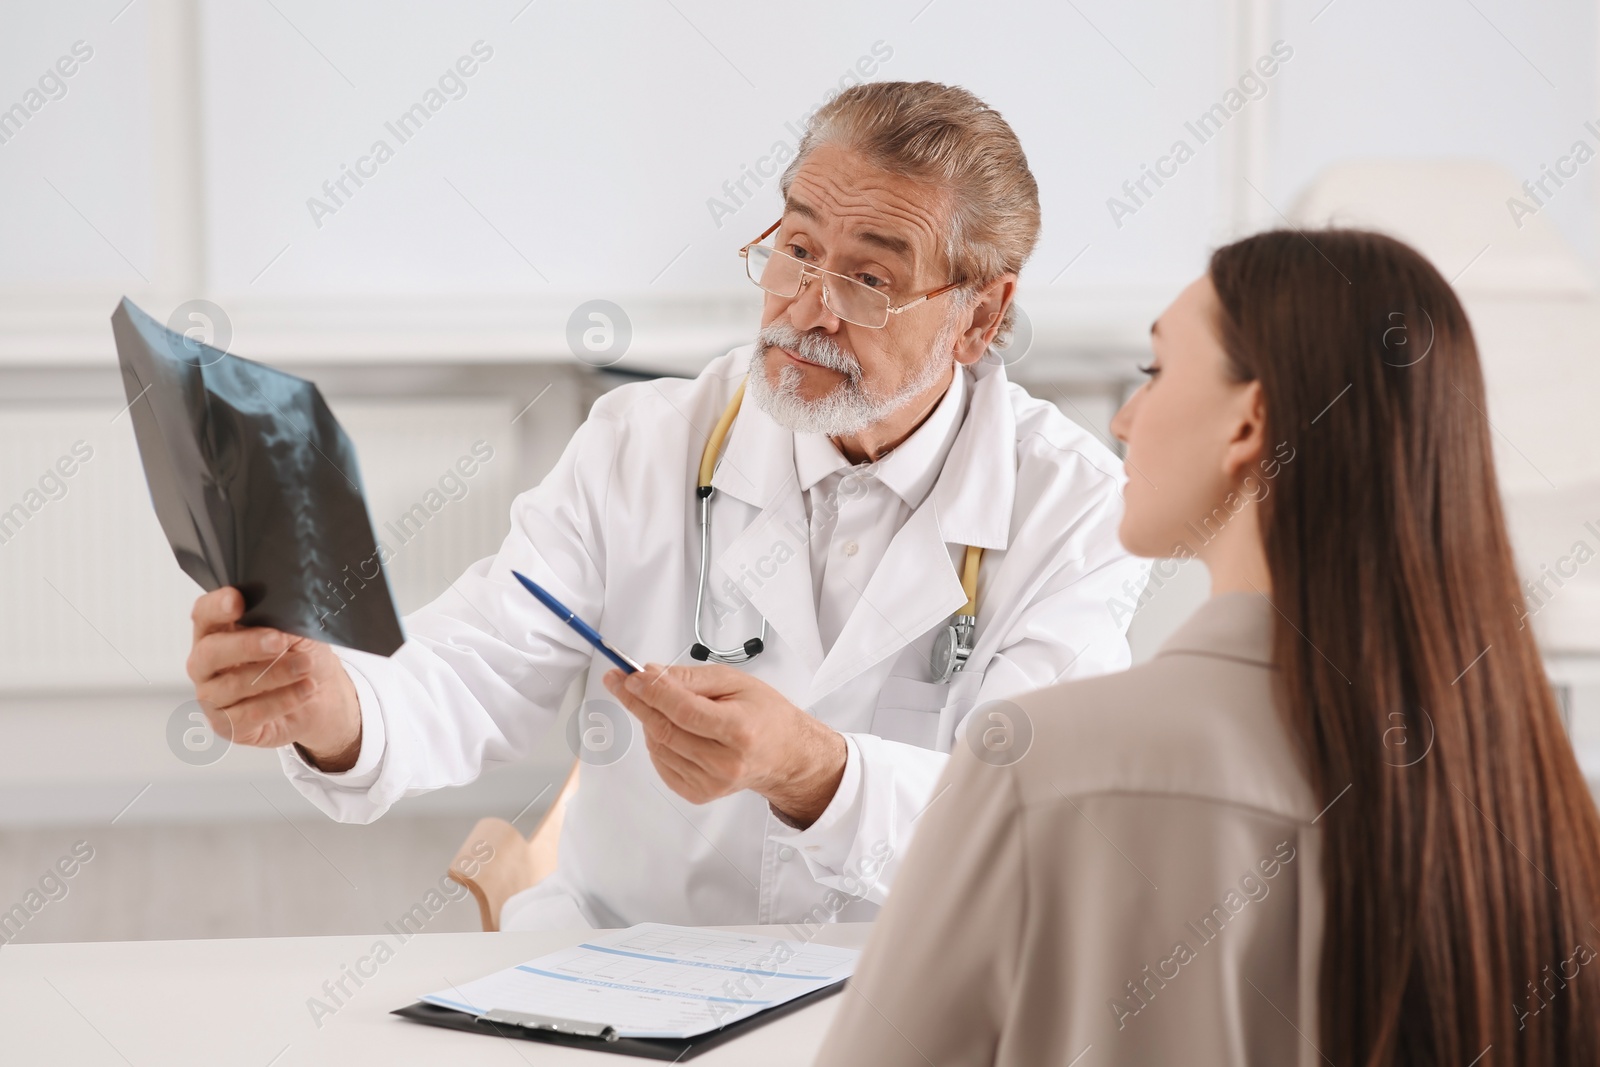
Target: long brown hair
(1461,845)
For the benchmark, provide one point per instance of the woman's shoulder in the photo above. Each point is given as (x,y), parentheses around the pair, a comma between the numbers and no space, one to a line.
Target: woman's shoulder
(1182,725)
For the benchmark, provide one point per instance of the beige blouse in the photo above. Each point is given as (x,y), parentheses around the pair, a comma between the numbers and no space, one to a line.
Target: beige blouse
(1136,884)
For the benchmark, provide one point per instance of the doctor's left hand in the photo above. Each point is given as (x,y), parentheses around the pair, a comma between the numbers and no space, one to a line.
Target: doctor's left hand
(712,731)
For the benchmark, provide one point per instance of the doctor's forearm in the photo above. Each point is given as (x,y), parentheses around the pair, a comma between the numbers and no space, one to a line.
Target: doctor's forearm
(332,743)
(856,845)
(338,762)
(802,798)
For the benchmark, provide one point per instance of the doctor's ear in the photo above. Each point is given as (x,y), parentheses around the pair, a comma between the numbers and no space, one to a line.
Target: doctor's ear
(1247,431)
(986,307)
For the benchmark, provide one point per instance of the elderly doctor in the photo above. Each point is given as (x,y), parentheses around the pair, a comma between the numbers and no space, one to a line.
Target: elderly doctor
(870,472)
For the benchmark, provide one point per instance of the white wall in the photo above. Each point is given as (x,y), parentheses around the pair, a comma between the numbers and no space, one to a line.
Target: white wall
(584,161)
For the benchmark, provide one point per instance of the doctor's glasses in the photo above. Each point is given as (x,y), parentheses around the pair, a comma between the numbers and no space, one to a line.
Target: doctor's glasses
(853,301)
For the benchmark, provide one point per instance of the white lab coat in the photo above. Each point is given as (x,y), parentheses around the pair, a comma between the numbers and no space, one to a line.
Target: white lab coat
(612,532)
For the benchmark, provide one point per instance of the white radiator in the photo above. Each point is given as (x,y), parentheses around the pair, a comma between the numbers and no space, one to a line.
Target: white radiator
(90,595)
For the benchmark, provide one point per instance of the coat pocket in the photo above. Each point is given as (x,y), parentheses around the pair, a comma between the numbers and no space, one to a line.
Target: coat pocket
(913,711)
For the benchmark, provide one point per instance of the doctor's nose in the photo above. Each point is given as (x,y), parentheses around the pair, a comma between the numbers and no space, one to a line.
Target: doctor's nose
(808,312)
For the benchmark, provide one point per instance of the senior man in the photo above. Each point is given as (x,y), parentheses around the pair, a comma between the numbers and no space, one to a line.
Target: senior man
(895,535)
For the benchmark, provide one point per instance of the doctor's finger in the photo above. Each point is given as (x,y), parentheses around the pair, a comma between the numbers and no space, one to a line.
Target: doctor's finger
(253,679)
(693,783)
(268,720)
(216,610)
(707,680)
(639,697)
(657,727)
(660,732)
(711,757)
(686,709)
(643,710)
(674,781)
(216,652)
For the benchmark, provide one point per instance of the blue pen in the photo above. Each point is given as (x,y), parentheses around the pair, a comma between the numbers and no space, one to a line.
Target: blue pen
(587,632)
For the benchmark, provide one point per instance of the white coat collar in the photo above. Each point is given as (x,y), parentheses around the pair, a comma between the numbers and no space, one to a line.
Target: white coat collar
(911,468)
(916,586)
(978,484)
(972,493)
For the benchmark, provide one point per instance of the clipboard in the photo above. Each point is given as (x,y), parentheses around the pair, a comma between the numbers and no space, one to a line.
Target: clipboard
(572,1034)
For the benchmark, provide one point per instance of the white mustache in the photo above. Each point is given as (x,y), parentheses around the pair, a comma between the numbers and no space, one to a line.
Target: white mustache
(811,347)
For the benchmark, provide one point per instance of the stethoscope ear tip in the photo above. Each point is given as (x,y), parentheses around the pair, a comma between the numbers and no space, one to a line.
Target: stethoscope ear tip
(753,647)
(699,652)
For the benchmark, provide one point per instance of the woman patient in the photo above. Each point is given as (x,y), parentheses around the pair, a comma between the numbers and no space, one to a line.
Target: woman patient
(1335,819)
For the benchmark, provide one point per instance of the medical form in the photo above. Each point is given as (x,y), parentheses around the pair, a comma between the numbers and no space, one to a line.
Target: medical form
(655,980)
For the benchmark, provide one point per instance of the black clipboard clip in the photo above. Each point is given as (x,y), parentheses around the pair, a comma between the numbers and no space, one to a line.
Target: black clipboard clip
(530,1021)
(600,1037)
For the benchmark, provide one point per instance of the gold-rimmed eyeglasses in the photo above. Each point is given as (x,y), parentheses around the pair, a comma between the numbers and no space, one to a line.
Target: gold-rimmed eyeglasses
(855,302)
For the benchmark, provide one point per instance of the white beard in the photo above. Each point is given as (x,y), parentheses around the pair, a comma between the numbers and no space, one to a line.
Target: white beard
(847,410)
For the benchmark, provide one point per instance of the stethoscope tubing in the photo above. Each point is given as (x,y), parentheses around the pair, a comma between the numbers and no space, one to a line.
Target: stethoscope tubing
(717,655)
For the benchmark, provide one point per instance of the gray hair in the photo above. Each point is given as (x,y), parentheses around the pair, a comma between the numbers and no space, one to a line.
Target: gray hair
(947,137)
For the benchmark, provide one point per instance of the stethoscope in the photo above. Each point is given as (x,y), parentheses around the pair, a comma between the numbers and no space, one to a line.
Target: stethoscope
(951,648)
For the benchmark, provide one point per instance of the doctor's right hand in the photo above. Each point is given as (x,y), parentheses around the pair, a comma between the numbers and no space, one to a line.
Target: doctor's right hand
(266,688)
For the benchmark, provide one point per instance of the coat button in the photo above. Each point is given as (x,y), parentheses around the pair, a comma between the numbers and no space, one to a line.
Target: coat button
(785,853)
(851,548)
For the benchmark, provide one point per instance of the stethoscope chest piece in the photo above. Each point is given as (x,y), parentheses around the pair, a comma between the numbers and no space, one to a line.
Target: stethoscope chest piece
(951,648)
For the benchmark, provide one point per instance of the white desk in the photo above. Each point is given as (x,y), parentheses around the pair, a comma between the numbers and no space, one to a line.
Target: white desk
(243,1003)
